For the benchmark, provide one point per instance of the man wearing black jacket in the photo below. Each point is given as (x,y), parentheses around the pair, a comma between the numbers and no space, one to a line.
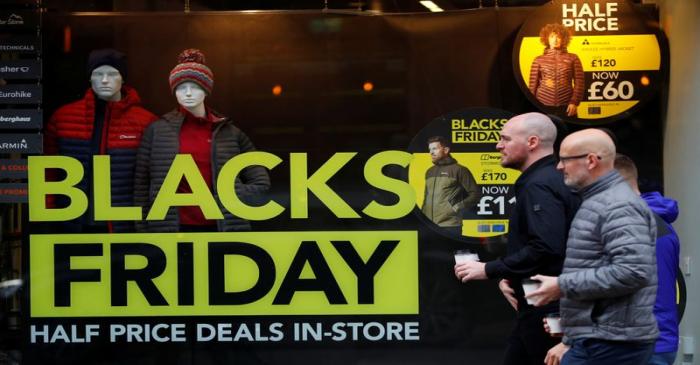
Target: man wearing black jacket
(537,233)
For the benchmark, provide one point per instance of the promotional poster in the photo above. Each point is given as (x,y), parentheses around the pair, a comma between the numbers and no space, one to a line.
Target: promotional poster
(589,62)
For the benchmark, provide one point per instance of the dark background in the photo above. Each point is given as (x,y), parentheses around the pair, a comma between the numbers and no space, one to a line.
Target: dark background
(422,66)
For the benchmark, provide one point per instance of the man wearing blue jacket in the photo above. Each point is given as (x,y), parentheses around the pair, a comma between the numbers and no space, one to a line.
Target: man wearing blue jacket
(667,257)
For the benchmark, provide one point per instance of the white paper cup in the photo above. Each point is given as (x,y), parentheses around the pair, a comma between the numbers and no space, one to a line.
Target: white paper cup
(528,287)
(554,323)
(462,256)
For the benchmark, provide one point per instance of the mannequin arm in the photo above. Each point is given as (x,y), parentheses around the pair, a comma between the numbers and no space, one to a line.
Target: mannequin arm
(254,180)
(142,177)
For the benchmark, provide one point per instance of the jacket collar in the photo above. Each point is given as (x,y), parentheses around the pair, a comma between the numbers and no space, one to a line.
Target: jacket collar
(129,98)
(667,208)
(448,160)
(210,116)
(176,117)
(544,161)
(603,183)
(555,50)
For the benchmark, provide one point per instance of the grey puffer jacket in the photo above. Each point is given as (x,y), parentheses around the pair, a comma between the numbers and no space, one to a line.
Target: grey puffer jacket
(609,278)
(160,144)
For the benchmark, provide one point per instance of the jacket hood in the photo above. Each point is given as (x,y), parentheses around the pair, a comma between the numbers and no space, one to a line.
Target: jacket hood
(667,208)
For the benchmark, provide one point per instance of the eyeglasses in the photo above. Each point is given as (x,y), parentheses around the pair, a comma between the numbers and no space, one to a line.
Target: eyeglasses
(563,159)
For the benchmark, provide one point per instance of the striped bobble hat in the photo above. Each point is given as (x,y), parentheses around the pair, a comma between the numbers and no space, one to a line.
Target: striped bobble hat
(191,67)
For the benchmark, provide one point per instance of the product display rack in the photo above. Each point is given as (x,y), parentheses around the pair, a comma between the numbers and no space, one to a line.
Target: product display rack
(20,125)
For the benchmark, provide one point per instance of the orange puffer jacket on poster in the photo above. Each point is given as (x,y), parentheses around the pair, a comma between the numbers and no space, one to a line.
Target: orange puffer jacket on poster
(556,78)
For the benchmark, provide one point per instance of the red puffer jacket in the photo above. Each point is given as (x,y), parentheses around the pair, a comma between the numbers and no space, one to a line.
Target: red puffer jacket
(556,78)
(69,133)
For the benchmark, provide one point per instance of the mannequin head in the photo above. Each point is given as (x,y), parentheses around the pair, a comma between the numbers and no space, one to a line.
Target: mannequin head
(107,71)
(191,97)
(106,82)
(191,81)
(191,67)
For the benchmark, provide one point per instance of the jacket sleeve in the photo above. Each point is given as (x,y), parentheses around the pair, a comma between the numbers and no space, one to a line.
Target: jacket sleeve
(142,177)
(51,148)
(51,137)
(579,86)
(534,81)
(628,237)
(471,191)
(545,215)
(253,180)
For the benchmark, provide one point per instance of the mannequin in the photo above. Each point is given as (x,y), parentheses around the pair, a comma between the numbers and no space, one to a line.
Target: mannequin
(108,120)
(209,137)
(191,97)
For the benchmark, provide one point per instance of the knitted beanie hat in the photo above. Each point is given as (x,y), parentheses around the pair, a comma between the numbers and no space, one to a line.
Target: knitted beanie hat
(109,57)
(190,67)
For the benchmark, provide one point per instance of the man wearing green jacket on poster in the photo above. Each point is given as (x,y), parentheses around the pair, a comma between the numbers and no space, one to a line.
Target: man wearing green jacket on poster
(450,189)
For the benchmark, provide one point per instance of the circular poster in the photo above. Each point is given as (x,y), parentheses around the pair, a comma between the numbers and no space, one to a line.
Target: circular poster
(588,62)
(461,188)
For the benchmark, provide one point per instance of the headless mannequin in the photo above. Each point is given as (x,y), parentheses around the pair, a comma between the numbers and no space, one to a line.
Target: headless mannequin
(191,97)
(106,82)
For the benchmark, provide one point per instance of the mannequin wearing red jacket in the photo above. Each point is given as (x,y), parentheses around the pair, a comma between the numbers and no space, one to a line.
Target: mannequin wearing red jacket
(108,120)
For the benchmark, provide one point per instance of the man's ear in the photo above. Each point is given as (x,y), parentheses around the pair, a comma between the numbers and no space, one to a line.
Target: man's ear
(533,142)
(447,149)
(593,161)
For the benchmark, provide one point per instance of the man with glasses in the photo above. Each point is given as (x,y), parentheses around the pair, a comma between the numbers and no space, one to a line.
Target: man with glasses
(608,285)
(537,231)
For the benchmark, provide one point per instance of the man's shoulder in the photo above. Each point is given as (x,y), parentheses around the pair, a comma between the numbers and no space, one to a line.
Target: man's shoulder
(431,169)
(618,195)
(620,203)
(461,168)
(546,176)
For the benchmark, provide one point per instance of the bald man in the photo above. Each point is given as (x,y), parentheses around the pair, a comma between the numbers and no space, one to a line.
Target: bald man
(665,212)
(608,284)
(537,231)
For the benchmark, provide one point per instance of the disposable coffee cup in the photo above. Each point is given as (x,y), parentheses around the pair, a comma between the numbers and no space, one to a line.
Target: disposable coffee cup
(462,256)
(554,323)
(530,286)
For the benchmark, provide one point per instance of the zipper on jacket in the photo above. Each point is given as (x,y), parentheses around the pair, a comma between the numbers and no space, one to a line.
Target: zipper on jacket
(105,130)
(103,151)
